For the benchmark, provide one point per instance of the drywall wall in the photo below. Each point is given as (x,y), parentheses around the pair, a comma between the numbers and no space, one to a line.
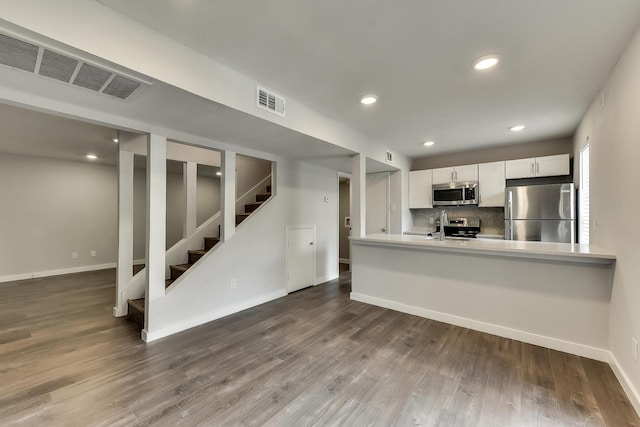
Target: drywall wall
(311,197)
(208,203)
(494,154)
(613,129)
(56,207)
(255,256)
(344,208)
(51,208)
(249,171)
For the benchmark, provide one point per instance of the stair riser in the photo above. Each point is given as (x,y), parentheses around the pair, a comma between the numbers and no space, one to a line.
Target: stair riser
(240,218)
(262,197)
(175,273)
(250,207)
(136,316)
(194,257)
(209,243)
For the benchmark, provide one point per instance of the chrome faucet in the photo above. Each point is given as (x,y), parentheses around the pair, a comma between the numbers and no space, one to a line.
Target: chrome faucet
(444,220)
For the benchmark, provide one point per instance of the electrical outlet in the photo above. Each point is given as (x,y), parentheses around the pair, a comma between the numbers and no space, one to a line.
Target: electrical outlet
(233,284)
(93,254)
(634,348)
(74,255)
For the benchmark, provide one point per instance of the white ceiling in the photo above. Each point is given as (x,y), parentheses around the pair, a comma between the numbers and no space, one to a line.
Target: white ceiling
(416,56)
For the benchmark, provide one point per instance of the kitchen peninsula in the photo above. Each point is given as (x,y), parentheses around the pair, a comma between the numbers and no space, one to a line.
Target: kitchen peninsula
(551,294)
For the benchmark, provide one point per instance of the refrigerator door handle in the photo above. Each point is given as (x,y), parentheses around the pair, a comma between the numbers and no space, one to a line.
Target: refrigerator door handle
(510,214)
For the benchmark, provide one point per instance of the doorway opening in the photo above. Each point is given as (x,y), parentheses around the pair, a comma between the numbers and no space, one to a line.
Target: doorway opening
(344,222)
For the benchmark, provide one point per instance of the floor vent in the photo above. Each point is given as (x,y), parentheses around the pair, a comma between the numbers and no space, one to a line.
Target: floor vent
(270,101)
(30,57)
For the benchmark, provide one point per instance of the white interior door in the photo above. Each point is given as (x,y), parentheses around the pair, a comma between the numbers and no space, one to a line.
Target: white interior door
(377,203)
(301,257)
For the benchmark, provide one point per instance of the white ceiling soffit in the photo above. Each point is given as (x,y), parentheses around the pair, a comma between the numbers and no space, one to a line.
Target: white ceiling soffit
(32,57)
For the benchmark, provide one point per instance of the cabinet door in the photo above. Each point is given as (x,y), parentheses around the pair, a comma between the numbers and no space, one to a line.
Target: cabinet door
(420,193)
(491,183)
(521,168)
(552,165)
(443,175)
(466,173)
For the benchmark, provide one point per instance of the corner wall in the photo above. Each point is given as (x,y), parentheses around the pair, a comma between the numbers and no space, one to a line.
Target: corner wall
(613,129)
(255,256)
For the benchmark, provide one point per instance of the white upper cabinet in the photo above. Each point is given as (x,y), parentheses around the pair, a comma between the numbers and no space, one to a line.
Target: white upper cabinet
(552,165)
(491,183)
(521,168)
(455,174)
(466,173)
(538,167)
(420,194)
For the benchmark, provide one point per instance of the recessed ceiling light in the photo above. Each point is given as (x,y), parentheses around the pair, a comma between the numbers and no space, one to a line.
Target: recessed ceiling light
(428,143)
(516,128)
(219,173)
(115,140)
(486,62)
(368,99)
(92,156)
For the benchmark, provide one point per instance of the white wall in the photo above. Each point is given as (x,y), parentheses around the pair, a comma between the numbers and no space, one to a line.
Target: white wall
(55,207)
(255,256)
(208,203)
(613,128)
(51,208)
(305,187)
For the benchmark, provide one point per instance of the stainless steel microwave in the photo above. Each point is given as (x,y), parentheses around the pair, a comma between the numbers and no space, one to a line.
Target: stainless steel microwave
(455,194)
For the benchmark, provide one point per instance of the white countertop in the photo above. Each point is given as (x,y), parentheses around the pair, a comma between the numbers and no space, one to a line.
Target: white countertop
(493,247)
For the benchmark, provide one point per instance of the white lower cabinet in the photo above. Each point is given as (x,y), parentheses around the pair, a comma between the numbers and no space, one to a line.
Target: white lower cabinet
(420,194)
(491,184)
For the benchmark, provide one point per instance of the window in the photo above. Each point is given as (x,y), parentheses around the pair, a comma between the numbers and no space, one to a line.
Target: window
(584,194)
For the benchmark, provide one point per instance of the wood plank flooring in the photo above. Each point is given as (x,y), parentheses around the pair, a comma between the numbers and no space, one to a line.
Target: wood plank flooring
(311,358)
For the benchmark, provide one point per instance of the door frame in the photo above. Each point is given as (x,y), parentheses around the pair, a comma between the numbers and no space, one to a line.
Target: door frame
(288,230)
(338,219)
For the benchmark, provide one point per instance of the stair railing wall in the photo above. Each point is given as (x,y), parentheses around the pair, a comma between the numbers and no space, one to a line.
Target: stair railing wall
(250,196)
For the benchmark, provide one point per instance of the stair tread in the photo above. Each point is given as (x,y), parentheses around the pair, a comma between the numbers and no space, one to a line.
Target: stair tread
(183,267)
(138,304)
(168,283)
(198,251)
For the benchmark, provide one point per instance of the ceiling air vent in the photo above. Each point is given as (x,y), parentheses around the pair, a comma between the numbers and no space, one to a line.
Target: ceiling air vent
(40,60)
(270,101)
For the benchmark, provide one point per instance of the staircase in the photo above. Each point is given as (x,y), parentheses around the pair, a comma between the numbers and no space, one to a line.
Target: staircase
(136,306)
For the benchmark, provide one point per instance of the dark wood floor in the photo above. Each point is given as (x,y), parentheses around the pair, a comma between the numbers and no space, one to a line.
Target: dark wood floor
(311,358)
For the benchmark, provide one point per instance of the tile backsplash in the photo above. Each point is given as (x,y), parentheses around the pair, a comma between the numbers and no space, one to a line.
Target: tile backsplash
(491,219)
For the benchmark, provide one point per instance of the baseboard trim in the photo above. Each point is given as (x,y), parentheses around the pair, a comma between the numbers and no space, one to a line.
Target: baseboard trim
(344,261)
(48,273)
(625,382)
(209,317)
(325,278)
(502,331)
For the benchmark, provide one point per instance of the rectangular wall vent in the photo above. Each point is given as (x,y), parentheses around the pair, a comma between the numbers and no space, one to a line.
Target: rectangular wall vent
(270,101)
(27,56)
(389,157)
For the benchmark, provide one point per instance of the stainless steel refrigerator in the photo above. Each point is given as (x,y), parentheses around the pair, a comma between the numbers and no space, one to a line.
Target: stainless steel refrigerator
(544,213)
